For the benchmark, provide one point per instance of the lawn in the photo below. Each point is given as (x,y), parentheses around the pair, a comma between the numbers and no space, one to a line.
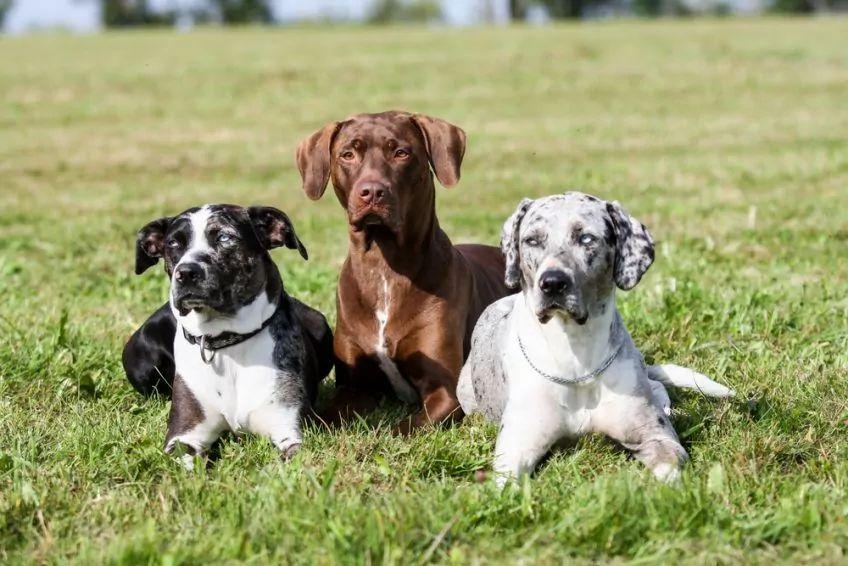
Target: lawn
(729,139)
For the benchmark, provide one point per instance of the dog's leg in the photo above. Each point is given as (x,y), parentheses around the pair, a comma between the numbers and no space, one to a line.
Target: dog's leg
(641,426)
(191,430)
(281,423)
(660,395)
(527,435)
(439,406)
(358,383)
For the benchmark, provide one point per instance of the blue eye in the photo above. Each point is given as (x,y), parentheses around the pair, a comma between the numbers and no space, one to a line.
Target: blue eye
(224,238)
(173,244)
(587,239)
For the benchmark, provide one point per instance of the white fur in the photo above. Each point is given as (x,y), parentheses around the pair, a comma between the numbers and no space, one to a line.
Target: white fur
(199,244)
(539,412)
(670,374)
(402,388)
(237,391)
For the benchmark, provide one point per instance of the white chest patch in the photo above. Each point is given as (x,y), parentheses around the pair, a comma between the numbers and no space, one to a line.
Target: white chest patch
(401,386)
(236,381)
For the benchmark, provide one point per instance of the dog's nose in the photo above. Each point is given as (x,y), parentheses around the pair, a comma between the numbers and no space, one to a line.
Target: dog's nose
(553,282)
(188,273)
(371,193)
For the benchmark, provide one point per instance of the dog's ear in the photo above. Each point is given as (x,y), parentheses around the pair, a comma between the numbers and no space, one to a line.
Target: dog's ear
(510,243)
(445,147)
(274,229)
(634,247)
(313,160)
(150,244)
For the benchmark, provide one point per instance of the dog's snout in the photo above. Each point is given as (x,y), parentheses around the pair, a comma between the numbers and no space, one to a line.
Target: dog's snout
(188,273)
(371,193)
(554,282)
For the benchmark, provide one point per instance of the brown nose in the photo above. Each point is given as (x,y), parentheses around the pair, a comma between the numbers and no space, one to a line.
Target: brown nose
(371,193)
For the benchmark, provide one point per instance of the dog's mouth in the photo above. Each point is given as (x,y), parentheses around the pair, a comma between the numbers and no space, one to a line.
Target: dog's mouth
(569,306)
(372,216)
(188,301)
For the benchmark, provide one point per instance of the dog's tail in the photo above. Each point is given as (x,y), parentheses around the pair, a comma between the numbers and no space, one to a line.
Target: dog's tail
(670,374)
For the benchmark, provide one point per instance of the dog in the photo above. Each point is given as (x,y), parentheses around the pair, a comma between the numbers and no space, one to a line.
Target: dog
(556,361)
(243,358)
(407,298)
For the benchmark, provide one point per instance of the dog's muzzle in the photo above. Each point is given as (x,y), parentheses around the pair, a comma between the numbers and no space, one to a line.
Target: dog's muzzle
(557,292)
(192,289)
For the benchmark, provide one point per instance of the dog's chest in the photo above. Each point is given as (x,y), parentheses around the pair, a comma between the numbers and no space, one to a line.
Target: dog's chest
(385,308)
(237,380)
(571,407)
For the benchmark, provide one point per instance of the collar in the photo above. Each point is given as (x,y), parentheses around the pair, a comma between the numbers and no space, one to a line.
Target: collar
(226,339)
(572,380)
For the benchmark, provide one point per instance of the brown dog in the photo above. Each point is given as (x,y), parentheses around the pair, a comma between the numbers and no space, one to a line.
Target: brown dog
(407,298)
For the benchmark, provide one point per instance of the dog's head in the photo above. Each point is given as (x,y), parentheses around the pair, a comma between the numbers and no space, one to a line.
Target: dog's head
(380,166)
(568,252)
(217,255)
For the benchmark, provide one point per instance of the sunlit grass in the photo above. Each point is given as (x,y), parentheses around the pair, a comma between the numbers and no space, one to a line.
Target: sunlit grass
(728,139)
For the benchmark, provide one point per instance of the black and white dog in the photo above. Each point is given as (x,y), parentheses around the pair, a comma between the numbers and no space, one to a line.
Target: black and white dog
(556,361)
(246,356)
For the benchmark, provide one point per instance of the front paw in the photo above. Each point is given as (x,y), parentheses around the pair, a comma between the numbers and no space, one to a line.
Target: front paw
(184,454)
(667,473)
(289,451)
(403,428)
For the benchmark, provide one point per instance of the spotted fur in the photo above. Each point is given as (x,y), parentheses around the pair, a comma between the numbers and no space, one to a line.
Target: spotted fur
(571,330)
(509,243)
(634,248)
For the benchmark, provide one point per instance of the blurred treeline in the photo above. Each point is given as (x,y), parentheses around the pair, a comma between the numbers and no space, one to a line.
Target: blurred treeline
(124,13)
(121,13)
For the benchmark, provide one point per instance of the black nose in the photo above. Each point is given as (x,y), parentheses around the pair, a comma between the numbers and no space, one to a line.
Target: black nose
(188,273)
(553,282)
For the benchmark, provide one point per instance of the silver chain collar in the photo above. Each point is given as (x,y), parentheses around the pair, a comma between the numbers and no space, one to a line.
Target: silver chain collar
(571,380)
(203,351)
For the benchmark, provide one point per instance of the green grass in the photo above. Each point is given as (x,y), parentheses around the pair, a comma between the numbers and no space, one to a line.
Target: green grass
(727,138)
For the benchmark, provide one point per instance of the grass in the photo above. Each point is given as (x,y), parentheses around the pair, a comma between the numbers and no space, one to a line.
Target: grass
(727,138)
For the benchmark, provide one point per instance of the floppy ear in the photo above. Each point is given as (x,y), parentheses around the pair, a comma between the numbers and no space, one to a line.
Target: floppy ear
(445,147)
(634,247)
(274,229)
(509,243)
(150,244)
(313,160)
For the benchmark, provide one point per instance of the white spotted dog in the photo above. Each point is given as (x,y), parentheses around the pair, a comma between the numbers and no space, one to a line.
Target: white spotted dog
(555,361)
(248,356)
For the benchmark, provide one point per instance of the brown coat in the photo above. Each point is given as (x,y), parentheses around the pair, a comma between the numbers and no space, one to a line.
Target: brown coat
(407,298)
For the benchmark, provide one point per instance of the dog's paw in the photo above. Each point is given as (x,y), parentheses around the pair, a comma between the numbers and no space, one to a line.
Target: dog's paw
(403,428)
(184,454)
(290,451)
(667,473)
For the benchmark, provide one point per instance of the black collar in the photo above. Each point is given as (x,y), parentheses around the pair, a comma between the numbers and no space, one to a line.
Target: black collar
(227,339)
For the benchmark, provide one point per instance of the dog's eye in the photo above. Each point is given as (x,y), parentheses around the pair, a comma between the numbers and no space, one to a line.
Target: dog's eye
(401,154)
(587,239)
(173,243)
(348,155)
(224,238)
(531,241)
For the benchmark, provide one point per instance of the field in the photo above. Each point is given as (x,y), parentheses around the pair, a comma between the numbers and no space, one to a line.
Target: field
(729,139)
